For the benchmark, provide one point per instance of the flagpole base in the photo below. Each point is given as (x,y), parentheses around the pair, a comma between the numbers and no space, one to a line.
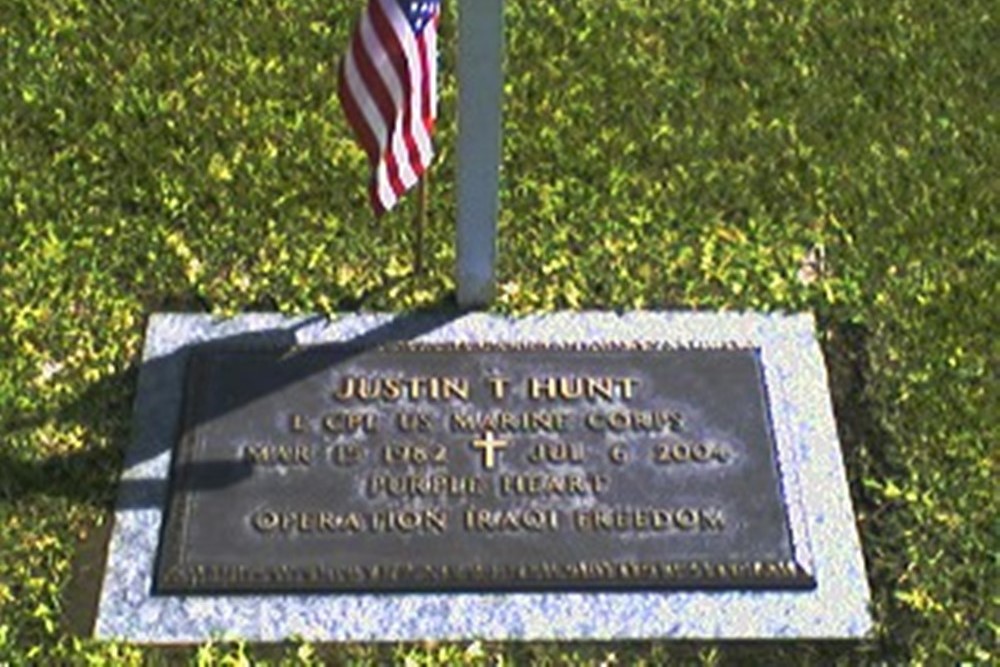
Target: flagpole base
(475,290)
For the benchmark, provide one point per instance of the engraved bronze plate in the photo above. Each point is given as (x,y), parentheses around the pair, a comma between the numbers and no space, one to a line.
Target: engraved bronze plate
(475,467)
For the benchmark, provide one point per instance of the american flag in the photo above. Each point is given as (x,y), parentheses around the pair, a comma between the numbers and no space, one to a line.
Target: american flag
(388,88)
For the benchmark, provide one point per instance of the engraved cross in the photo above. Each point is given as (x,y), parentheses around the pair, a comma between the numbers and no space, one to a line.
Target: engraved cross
(489,446)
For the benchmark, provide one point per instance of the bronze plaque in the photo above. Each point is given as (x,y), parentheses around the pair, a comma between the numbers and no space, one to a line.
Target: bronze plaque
(475,468)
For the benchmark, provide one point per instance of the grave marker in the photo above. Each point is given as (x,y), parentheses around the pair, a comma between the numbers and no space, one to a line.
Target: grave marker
(638,493)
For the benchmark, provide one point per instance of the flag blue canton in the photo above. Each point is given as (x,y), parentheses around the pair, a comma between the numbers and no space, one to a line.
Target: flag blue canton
(419,12)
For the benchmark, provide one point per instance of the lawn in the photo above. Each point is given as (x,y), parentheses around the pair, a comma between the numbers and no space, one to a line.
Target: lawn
(839,157)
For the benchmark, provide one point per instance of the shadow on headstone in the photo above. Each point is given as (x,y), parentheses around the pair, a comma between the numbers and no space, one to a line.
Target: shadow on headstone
(91,475)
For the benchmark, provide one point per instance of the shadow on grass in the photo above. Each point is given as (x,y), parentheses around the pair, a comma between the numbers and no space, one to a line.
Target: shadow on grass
(591,653)
(866,448)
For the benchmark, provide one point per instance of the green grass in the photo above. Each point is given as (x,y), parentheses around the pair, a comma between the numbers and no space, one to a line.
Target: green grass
(839,157)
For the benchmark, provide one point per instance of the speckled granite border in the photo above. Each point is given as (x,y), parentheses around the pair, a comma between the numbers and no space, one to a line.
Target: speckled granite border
(822,520)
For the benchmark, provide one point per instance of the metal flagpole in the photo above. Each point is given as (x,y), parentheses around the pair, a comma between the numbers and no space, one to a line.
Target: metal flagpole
(480,78)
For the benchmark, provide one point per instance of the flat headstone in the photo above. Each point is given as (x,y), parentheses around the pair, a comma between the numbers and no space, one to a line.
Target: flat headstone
(584,475)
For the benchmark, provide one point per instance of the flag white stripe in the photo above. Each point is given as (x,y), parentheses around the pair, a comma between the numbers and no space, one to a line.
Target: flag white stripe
(383,189)
(432,65)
